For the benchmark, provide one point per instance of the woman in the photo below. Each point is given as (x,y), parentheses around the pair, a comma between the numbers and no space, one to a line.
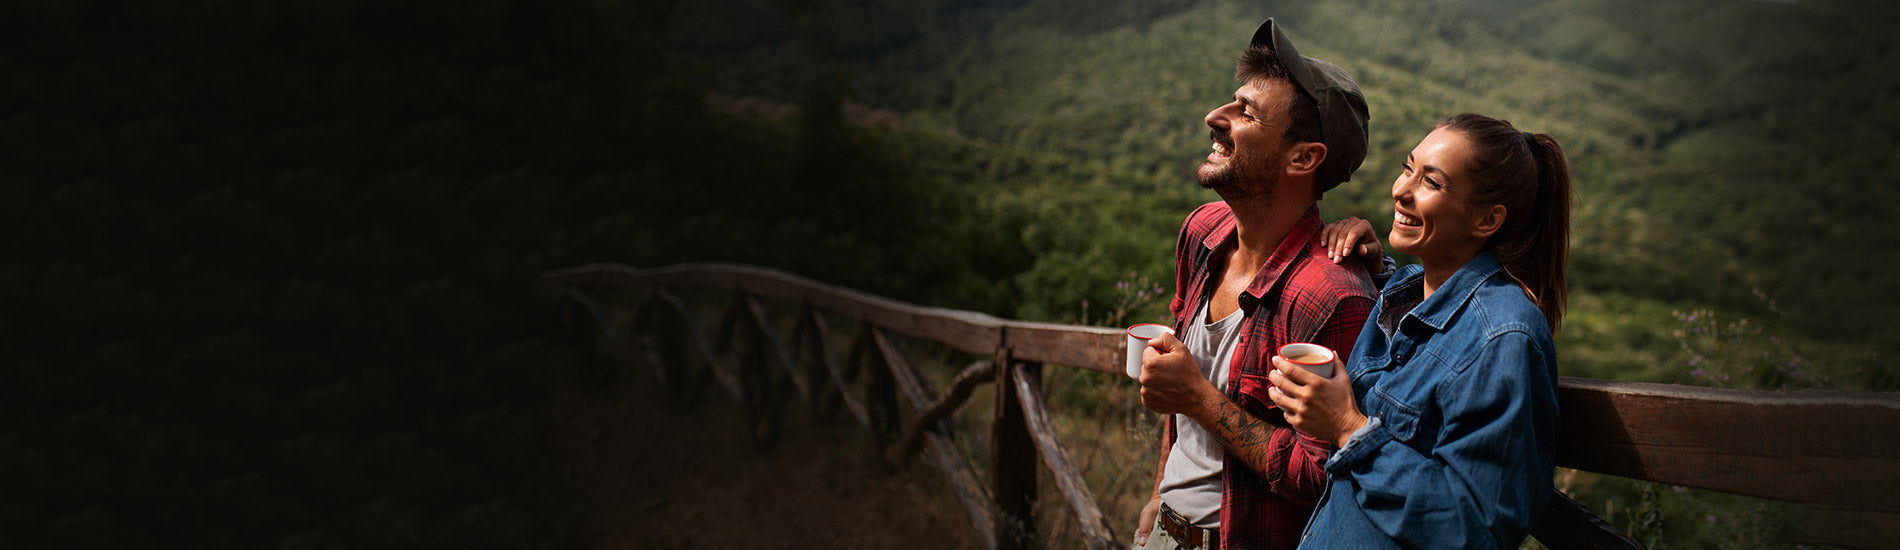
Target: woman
(1447,416)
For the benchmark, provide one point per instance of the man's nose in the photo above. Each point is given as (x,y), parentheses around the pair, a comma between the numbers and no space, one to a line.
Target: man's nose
(1215,119)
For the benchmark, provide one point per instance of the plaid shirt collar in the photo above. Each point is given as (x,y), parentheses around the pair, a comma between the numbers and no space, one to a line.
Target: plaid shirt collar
(1270,278)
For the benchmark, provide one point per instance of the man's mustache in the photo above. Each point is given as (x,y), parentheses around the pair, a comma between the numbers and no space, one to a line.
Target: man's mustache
(1222,137)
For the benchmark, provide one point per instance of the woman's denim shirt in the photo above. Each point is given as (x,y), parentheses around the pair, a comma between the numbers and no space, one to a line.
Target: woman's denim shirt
(1460,393)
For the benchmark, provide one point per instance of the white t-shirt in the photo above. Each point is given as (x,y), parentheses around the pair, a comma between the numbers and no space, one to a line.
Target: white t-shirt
(1191,481)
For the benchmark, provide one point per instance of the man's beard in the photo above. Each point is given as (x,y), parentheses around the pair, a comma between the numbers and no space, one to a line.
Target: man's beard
(1228,177)
(1241,175)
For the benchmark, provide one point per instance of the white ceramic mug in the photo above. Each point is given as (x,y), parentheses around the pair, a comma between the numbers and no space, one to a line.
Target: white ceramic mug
(1313,357)
(1138,337)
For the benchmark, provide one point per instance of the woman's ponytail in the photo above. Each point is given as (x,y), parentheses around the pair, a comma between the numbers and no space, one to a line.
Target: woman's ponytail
(1546,258)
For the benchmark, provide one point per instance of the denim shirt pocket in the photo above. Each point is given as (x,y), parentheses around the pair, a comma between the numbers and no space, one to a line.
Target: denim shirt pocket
(1396,417)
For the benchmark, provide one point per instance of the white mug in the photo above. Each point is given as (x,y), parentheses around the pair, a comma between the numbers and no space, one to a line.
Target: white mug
(1313,357)
(1138,337)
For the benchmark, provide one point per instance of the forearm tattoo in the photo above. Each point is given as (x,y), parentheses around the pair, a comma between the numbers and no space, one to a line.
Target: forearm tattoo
(1245,436)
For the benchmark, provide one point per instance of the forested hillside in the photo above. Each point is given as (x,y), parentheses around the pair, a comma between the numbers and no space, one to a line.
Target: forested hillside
(1733,157)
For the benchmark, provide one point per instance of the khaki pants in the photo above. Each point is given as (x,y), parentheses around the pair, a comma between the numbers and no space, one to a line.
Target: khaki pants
(1158,539)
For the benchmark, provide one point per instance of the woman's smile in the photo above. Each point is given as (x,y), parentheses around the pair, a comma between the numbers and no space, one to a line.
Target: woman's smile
(1400,218)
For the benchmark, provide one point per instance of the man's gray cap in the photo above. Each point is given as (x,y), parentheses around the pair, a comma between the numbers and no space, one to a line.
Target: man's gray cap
(1342,108)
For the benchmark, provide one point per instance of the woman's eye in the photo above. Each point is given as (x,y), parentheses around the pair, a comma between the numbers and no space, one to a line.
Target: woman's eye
(1407,166)
(1433,183)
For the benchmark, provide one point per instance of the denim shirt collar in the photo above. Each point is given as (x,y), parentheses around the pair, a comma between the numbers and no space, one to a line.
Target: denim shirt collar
(1451,296)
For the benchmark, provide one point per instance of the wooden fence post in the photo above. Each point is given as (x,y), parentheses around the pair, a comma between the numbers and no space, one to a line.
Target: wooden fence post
(809,342)
(880,391)
(1013,461)
(766,404)
(685,385)
(1095,532)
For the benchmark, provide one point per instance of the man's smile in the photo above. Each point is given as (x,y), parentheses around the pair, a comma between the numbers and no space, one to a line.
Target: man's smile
(1223,143)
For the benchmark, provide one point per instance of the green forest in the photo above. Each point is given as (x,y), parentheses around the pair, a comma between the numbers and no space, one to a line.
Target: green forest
(1729,155)
(272,272)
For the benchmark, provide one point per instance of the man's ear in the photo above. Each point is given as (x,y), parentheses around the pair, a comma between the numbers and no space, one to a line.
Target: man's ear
(1304,158)
(1489,221)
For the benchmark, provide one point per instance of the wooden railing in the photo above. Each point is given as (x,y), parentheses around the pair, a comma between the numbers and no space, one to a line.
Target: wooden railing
(1836,456)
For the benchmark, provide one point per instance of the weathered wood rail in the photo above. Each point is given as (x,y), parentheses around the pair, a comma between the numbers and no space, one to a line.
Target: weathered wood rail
(1835,455)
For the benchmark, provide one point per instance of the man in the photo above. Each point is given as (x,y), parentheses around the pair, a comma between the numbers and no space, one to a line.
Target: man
(1252,274)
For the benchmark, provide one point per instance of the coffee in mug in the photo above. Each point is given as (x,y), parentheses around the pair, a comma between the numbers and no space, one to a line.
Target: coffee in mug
(1313,357)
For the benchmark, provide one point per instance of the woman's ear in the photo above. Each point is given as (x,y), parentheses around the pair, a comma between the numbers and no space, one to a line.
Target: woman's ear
(1489,221)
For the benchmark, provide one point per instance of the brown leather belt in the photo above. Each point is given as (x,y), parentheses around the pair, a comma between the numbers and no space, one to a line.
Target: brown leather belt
(1186,533)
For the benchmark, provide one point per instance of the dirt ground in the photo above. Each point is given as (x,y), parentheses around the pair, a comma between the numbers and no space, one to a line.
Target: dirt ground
(650,475)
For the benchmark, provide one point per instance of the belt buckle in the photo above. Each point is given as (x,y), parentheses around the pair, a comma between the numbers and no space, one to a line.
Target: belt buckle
(1185,532)
(1177,525)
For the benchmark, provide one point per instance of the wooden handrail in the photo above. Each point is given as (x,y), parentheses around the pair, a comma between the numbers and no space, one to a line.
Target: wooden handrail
(1093,348)
(1834,454)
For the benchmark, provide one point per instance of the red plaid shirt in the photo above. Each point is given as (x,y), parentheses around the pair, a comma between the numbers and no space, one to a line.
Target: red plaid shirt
(1297,296)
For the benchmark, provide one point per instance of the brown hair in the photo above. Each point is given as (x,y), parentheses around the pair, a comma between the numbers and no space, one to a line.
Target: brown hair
(1302,113)
(1528,174)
